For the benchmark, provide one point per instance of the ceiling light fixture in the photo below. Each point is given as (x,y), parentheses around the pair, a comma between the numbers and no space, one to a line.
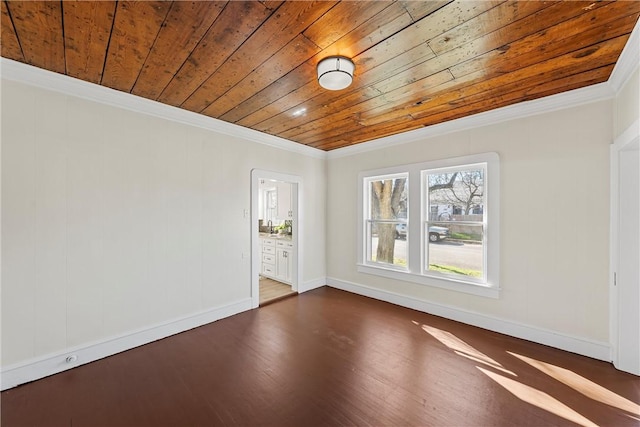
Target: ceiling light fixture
(335,72)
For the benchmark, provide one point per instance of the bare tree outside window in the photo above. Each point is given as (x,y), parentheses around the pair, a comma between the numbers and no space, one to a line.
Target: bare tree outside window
(463,190)
(388,209)
(456,203)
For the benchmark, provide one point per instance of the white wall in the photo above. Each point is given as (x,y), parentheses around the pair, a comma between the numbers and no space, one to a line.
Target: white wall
(554,215)
(627,104)
(114,221)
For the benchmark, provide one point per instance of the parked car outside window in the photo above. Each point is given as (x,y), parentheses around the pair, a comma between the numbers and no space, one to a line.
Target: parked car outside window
(435,233)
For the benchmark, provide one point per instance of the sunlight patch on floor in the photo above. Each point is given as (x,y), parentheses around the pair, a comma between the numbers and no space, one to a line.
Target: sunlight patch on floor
(538,398)
(583,385)
(463,349)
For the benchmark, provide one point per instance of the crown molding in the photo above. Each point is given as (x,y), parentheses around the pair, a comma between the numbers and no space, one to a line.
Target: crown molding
(48,80)
(628,62)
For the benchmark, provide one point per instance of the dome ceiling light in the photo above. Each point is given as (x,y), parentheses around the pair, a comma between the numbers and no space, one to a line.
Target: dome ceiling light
(335,72)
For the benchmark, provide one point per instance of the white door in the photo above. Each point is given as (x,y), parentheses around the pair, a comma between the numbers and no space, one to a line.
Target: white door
(625,259)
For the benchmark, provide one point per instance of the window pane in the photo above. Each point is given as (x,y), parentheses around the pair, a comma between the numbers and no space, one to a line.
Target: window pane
(388,220)
(455,249)
(394,252)
(388,198)
(456,196)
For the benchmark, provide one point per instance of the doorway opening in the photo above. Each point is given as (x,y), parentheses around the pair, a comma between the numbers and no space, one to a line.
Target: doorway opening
(624,316)
(275,236)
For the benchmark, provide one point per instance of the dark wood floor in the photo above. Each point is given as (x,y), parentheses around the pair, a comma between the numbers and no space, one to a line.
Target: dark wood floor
(330,358)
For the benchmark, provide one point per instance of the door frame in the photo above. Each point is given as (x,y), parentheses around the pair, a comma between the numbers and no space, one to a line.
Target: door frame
(625,345)
(297,228)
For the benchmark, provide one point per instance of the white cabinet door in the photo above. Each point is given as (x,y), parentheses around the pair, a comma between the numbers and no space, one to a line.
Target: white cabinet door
(284,265)
(283,210)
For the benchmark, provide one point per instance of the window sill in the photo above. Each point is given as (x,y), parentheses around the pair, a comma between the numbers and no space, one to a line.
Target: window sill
(449,284)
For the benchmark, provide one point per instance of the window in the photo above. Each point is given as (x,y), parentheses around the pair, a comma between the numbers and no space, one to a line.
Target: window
(455,243)
(386,220)
(443,231)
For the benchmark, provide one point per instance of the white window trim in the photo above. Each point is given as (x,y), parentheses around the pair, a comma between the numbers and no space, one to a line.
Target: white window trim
(414,272)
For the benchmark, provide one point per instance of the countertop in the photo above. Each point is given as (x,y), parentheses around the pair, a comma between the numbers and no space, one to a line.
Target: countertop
(275,236)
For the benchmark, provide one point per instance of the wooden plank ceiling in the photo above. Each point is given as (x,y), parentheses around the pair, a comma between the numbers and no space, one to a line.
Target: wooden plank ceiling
(252,63)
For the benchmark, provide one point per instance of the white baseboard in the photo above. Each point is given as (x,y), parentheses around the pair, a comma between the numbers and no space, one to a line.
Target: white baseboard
(582,346)
(41,367)
(311,285)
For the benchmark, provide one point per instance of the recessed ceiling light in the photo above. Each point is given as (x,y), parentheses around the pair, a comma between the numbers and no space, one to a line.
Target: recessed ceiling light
(299,112)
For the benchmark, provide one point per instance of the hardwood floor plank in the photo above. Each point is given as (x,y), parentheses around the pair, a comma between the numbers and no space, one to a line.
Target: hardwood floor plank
(327,358)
